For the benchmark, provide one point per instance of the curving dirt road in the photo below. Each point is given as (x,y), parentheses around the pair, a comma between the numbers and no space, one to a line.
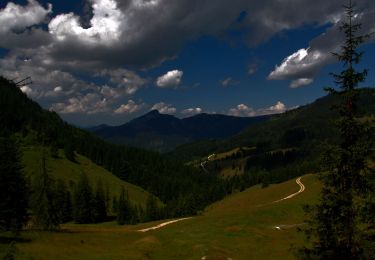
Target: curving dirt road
(298,181)
(205,162)
(302,189)
(162,224)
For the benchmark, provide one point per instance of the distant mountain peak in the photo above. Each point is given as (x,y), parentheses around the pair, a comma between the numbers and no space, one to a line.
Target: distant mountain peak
(163,132)
(153,112)
(152,115)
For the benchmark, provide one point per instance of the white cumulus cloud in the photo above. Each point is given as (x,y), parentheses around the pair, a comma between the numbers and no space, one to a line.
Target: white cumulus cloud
(127,82)
(242,110)
(16,17)
(228,82)
(170,80)
(192,111)
(278,108)
(301,82)
(300,67)
(91,103)
(105,25)
(129,108)
(164,108)
(28,91)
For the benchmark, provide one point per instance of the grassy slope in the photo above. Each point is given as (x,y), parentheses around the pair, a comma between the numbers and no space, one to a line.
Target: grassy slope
(61,168)
(240,227)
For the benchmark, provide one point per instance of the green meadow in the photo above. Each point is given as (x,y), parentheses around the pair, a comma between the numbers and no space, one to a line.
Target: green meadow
(242,226)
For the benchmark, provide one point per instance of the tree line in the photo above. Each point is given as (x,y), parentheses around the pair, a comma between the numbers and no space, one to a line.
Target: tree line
(184,189)
(45,203)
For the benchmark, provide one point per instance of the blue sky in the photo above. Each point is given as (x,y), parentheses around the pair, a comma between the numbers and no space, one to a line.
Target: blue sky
(108,61)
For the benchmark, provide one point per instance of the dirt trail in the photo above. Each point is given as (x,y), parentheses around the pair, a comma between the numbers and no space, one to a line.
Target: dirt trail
(205,162)
(162,224)
(302,189)
(298,181)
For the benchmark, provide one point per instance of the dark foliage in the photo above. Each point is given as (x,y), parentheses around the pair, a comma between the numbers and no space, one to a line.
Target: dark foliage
(64,202)
(167,179)
(83,201)
(45,200)
(100,207)
(340,224)
(123,208)
(13,188)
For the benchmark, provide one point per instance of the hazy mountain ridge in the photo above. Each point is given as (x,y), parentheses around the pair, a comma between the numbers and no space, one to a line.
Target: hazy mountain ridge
(163,132)
(315,121)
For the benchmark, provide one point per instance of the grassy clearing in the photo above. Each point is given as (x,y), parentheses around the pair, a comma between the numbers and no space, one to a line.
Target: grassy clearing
(61,168)
(231,168)
(238,227)
(229,153)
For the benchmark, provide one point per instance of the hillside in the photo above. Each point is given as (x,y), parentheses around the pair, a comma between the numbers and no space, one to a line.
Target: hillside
(69,172)
(183,189)
(242,226)
(306,126)
(163,133)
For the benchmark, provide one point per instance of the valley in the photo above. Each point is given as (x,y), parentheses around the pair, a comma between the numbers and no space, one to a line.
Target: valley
(181,130)
(242,226)
(239,197)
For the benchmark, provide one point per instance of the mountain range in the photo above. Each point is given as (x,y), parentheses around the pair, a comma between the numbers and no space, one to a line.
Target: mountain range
(309,125)
(163,133)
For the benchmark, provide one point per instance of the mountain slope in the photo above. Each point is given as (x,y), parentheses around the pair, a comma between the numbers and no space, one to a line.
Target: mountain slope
(69,172)
(162,132)
(308,125)
(183,189)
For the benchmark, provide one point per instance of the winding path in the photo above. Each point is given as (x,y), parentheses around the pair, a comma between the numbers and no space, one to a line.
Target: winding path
(205,162)
(162,225)
(302,189)
(298,181)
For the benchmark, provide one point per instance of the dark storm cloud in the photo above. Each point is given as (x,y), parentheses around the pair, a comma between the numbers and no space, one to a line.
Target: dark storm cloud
(147,32)
(133,34)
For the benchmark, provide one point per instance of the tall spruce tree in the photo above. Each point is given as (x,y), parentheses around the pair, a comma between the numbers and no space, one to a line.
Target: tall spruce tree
(13,188)
(152,210)
(114,205)
(83,201)
(64,202)
(123,210)
(339,227)
(69,151)
(100,208)
(44,202)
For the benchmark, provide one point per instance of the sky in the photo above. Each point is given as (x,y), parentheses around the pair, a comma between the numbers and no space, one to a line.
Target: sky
(109,61)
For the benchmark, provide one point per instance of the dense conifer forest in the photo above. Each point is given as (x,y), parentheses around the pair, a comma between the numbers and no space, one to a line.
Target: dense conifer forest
(183,189)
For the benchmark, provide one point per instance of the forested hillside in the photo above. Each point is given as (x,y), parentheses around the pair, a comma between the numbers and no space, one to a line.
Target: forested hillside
(183,189)
(281,148)
(307,126)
